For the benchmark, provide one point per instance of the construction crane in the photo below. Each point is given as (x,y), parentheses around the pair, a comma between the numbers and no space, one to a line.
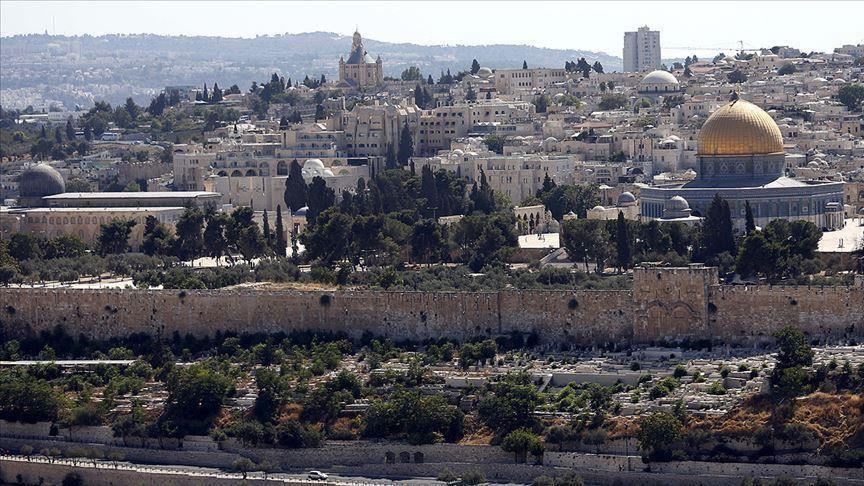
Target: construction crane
(739,48)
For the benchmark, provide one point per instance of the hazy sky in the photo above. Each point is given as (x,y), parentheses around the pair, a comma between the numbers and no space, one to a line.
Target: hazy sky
(599,26)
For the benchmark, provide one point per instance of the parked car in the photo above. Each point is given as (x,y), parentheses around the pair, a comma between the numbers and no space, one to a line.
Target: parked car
(317,476)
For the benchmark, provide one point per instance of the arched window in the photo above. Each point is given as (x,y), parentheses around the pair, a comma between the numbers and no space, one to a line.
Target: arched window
(236,173)
(282,168)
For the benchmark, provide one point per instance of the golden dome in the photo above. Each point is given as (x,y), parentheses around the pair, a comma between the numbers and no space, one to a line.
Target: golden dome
(740,128)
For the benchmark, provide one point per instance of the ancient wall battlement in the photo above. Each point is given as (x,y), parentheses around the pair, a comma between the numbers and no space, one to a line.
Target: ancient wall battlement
(666,304)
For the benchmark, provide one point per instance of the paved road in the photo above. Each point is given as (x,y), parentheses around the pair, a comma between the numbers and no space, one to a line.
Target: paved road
(207,472)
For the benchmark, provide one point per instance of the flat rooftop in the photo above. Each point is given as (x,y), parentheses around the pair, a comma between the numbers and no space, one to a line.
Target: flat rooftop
(98,209)
(545,240)
(132,195)
(845,240)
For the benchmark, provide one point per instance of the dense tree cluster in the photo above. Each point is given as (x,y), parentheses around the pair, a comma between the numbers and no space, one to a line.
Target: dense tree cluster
(852,96)
(782,250)
(392,217)
(612,101)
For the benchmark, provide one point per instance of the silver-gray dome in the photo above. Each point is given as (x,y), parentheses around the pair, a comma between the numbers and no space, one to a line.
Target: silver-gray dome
(676,203)
(40,180)
(626,199)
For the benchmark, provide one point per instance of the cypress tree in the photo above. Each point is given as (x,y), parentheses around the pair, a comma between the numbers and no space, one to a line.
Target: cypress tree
(717,235)
(749,225)
(70,131)
(279,243)
(295,188)
(428,189)
(711,228)
(406,145)
(266,229)
(321,198)
(727,238)
(548,183)
(217,93)
(376,204)
(295,248)
(471,95)
(360,198)
(418,97)
(391,162)
(622,242)
(346,205)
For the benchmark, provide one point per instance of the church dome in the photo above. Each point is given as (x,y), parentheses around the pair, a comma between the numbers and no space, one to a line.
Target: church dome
(659,77)
(40,180)
(484,72)
(739,128)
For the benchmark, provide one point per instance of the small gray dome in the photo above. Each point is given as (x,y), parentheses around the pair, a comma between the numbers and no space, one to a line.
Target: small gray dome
(626,199)
(484,72)
(676,203)
(40,180)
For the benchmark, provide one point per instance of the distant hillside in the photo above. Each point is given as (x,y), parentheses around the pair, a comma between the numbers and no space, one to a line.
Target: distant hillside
(314,51)
(138,65)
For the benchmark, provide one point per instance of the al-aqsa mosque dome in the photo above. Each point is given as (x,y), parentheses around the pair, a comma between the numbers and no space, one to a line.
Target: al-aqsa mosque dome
(739,128)
(38,181)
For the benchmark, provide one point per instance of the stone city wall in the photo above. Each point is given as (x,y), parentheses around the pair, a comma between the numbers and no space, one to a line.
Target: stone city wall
(584,317)
(753,313)
(666,304)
